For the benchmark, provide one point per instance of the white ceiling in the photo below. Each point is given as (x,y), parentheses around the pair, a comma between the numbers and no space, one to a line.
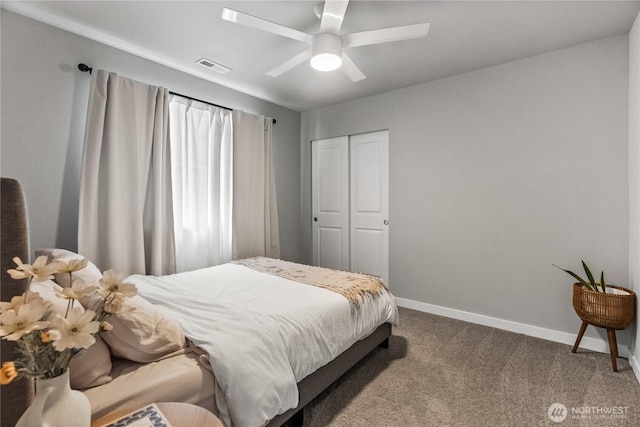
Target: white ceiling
(464,36)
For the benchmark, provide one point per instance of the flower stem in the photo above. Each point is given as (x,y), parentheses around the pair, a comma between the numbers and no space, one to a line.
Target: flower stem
(26,291)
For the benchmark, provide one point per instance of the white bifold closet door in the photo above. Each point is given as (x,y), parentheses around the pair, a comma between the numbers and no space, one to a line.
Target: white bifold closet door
(350,203)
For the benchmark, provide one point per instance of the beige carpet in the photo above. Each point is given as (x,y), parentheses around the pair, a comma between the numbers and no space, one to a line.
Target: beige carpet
(444,372)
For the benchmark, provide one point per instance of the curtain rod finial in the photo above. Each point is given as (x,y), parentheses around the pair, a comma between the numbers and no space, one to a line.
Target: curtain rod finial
(84,68)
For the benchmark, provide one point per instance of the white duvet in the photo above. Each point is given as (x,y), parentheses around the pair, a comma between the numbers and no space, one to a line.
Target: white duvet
(263,333)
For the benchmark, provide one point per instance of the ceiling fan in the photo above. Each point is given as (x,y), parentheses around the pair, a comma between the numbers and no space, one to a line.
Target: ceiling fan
(326,50)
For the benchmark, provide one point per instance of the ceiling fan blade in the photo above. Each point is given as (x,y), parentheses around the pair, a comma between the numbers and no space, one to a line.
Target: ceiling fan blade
(264,25)
(385,35)
(289,64)
(333,15)
(350,69)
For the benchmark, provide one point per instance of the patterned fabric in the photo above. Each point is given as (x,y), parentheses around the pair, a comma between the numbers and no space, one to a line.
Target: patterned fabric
(355,287)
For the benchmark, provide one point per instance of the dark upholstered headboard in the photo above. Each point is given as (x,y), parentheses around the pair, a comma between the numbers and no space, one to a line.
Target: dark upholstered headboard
(14,242)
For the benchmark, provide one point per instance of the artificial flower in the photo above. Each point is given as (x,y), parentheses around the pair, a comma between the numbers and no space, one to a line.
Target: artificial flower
(40,270)
(8,373)
(33,298)
(114,303)
(106,326)
(15,302)
(48,337)
(78,289)
(14,324)
(72,266)
(22,271)
(76,330)
(112,283)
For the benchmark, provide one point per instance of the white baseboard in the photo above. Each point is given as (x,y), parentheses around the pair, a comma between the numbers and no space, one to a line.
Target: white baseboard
(594,344)
(635,365)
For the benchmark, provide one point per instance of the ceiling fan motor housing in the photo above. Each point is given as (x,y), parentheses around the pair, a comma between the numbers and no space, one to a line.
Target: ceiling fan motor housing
(326,50)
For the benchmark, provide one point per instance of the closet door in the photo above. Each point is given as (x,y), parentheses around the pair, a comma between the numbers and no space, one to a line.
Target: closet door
(369,203)
(330,202)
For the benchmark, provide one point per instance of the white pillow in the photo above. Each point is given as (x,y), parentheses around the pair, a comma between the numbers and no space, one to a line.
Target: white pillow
(89,274)
(91,367)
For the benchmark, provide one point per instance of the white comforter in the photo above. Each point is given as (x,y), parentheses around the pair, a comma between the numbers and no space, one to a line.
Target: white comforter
(263,333)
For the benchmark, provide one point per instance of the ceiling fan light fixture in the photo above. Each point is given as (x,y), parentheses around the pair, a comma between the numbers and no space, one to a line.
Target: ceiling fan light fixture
(326,62)
(326,50)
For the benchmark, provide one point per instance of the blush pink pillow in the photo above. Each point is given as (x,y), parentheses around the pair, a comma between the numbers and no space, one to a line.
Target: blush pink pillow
(142,333)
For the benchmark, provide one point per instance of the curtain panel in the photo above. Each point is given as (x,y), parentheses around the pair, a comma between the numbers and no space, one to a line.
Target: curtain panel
(255,209)
(125,212)
(201,170)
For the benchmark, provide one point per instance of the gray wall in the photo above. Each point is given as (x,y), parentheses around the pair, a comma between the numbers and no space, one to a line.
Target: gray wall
(495,175)
(44,101)
(634,183)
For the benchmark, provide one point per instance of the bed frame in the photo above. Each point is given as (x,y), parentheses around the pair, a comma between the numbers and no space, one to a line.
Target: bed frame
(311,386)
(17,396)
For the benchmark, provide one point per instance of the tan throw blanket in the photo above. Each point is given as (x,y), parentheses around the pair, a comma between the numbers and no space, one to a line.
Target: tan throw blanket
(355,287)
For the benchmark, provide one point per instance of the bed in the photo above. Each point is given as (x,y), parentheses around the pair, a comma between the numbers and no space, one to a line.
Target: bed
(253,341)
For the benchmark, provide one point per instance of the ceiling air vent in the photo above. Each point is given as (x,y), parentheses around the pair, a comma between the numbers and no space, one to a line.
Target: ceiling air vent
(207,63)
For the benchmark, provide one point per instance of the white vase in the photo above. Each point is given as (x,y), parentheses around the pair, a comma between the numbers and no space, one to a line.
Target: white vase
(57,405)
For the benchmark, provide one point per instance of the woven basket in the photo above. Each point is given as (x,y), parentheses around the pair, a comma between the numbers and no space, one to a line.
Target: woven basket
(609,311)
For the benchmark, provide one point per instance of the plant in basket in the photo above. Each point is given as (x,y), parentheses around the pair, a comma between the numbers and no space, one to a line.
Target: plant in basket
(590,284)
(602,305)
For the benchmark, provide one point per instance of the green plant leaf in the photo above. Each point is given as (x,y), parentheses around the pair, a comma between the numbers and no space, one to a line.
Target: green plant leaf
(604,287)
(589,275)
(578,278)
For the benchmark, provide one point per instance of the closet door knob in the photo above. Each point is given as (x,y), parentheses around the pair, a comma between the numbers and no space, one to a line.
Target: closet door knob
(386,222)
(315,218)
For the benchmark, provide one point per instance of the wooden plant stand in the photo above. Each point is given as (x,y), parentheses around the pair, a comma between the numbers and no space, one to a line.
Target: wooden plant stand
(609,311)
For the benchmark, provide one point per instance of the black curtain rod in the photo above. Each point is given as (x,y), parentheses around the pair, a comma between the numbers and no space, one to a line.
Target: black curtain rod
(86,69)
(200,100)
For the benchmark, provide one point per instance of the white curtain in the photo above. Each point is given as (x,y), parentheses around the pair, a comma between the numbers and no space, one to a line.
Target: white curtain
(201,159)
(125,213)
(255,211)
